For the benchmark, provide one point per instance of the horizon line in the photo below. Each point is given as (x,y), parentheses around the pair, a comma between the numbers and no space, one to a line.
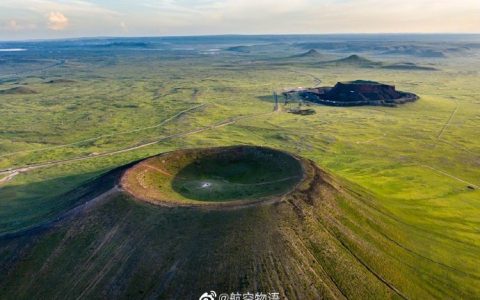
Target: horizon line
(236,34)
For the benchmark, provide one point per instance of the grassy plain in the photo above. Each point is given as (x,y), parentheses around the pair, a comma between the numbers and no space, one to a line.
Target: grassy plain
(417,165)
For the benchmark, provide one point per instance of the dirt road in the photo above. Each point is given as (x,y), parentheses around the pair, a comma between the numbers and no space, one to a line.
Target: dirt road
(12,172)
(108,135)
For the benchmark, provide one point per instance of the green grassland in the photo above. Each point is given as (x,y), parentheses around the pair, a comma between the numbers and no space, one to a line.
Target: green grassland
(416,166)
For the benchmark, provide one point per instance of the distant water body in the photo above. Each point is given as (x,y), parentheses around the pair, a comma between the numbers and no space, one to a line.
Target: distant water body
(12,50)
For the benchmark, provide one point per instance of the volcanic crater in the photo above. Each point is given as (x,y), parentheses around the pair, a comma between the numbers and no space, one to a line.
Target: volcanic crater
(356,93)
(260,212)
(220,177)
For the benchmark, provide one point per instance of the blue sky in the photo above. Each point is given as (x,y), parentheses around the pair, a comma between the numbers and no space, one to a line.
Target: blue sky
(26,19)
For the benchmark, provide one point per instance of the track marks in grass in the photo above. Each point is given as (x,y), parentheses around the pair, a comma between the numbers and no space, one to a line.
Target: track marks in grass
(371,220)
(159,170)
(372,139)
(363,263)
(226,122)
(317,80)
(165,280)
(9,177)
(427,258)
(451,176)
(108,135)
(30,72)
(447,123)
(321,275)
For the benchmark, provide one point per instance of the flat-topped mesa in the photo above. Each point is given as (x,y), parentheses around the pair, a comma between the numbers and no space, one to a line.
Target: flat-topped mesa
(358,92)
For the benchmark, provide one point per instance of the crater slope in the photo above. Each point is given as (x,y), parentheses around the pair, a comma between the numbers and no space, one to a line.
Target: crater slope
(322,238)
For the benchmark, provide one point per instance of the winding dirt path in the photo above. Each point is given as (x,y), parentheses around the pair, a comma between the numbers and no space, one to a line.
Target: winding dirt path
(108,135)
(58,62)
(371,140)
(12,172)
(317,81)
(9,177)
(451,176)
(447,123)
(159,170)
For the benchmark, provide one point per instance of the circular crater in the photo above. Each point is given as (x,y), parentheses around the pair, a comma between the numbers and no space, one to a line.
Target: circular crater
(224,176)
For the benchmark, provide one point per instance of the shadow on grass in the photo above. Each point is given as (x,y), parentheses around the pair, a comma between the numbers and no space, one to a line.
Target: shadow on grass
(269,98)
(30,205)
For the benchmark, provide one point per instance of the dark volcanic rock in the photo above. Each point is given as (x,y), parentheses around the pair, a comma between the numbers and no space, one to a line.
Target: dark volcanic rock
(357,93)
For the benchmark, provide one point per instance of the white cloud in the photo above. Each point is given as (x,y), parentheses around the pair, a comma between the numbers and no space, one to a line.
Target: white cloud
(57,18)
(57,21)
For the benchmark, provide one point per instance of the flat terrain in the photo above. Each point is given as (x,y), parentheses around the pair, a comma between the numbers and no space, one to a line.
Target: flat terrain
(406,219)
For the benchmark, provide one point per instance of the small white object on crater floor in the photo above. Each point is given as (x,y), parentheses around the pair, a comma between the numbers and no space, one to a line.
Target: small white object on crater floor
(206,185)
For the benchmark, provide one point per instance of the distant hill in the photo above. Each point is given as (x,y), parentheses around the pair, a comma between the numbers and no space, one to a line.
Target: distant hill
(239,49)
(19,90)
(352,60)
(124,44)
(388,48)
(409,66)
(310,53)
(415,51)
(309,57)
(60,80)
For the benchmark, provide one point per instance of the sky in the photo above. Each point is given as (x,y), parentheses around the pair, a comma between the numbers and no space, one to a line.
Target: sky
(45,19)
